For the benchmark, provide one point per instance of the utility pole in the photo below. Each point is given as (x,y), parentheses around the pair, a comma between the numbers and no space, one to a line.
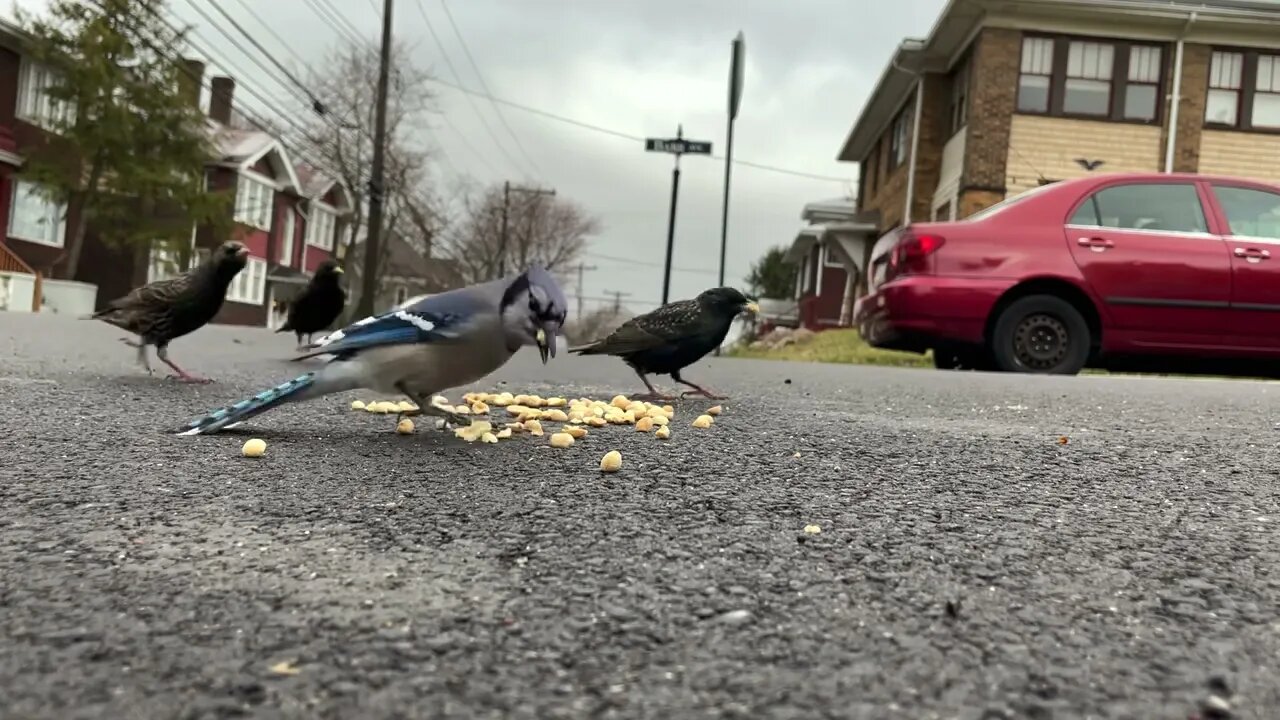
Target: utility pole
(617,300)
(582,268)
(676,146)
(507,189)
(373,242)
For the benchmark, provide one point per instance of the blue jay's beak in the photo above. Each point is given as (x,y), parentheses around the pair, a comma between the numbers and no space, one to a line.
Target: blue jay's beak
(546,346)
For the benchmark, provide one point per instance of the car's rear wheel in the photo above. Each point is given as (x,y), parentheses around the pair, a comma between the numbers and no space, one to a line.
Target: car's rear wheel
(1040,334)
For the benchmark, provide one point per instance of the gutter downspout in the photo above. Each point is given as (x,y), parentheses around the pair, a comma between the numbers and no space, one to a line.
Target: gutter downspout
(915,143)
(1176,95)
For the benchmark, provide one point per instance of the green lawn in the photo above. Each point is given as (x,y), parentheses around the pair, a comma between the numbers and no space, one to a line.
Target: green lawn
(836,346)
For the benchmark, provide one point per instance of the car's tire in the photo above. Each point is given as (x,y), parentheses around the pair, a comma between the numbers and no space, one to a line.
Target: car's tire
(1041,334)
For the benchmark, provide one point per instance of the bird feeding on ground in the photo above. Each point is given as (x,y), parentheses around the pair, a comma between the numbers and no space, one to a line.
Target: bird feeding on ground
(449,339)
(318,305)
(165,310)
(673,337)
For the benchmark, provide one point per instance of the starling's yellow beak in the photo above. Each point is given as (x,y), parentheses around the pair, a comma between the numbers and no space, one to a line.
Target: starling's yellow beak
(752,308)
(339,270)
(543,349)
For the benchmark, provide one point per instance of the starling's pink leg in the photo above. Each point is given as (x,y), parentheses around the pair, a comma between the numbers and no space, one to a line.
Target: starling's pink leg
(697,389)
(653,393)
(181,375)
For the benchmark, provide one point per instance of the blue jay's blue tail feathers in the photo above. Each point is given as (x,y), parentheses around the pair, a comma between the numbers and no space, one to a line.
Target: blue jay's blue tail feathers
(293,390)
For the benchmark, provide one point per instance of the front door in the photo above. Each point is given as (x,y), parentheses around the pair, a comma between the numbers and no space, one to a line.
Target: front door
(1146,250)
(1252,233)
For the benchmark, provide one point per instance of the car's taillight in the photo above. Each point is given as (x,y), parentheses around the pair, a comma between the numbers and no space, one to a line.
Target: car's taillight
(913,254)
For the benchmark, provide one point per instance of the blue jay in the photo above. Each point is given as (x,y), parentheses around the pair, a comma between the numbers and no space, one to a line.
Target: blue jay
(442,341)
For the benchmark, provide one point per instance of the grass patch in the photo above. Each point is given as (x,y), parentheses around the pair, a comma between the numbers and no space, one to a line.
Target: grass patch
(836,346)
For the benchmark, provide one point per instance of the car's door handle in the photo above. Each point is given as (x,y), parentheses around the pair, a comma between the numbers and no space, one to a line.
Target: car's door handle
(1253,255)
(1096,244)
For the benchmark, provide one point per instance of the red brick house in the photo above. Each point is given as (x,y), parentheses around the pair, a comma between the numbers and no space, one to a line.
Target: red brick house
(1005,95)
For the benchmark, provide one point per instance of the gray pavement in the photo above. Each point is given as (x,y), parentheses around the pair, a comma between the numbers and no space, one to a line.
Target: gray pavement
(144,575)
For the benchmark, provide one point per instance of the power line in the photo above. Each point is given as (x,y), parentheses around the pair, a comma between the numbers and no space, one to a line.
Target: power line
(315,102)
(488,93)
(323,13)
(631,136)
(343,18)
(288,48)
(422,10)
(629,262)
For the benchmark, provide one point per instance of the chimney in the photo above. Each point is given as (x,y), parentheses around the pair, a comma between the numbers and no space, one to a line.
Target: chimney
(191,79)
(224,88)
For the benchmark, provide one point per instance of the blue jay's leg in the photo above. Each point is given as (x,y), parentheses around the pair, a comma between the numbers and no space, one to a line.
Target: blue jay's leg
(142,354)
(426,408)
(697,389)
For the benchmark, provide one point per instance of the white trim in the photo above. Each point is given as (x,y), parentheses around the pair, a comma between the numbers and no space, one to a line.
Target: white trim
(330,213)
(250,284)
(1141,231)
(287,237)
(1247,239)
(826,258)
(60,232)
(252,210)
(24,106)
(911,158)
(13,159)
(249,162)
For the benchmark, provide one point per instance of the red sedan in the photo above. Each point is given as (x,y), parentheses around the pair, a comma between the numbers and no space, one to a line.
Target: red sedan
(1126,271)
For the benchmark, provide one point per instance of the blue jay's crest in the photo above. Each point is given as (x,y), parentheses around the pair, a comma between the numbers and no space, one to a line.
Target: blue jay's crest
(547,302)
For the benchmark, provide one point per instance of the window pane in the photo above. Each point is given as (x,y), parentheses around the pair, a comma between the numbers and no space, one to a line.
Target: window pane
(1266,110)
(1168,207)
(1250,213)
(1086,214)
(1222,107)
(1140,102)
(1144,64)
(1033,93)
(1086,97)
(1090,61)
(1266,80)
(1225,70)
(1037,56)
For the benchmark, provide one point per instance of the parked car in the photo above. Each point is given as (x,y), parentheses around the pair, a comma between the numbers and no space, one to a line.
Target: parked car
(1127,271)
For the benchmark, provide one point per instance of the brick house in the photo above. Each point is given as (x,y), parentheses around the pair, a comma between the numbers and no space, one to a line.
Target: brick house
(1005,95)
(289,215)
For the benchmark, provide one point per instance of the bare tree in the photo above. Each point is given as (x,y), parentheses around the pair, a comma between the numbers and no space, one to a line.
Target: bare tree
(346,86)
(547,230)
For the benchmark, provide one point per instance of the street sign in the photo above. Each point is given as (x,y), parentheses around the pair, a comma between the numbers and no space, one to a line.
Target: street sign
(677,146)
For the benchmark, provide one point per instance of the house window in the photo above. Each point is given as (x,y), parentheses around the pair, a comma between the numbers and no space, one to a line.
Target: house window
(34,103)
(830,259)
(250,284)
(1250,213)
(898,138)
(1036,75)
(36,218)
(1074,77)
(1226,71)
(1087,90)
(1266,96)
(958,107)
(164,262)
(286,239)
(254,200)
(320,228)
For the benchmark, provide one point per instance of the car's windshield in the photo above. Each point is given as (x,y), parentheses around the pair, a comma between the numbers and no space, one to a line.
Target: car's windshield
(1007,202)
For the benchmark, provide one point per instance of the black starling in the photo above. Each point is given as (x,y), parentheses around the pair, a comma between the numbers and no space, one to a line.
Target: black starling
(318,305)
(674,336)
(165,310)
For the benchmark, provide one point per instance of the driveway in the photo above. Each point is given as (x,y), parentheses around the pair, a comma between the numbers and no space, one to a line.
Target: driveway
(969,565)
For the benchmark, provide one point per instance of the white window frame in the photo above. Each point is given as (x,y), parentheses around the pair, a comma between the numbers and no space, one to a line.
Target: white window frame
(322,226)
(34,104)
(287,237)
(54,216)
(255,200)
(250,284)
(827,261)
(163,263)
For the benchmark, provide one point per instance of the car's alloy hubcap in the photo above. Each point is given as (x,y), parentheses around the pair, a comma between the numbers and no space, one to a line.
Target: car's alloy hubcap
(1040,341)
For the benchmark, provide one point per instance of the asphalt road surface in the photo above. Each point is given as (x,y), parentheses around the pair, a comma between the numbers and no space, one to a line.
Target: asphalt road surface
(969,565)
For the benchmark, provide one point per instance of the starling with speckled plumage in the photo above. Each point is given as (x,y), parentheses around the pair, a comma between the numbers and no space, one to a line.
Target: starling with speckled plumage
(319,304)
(673,337)
(162,311)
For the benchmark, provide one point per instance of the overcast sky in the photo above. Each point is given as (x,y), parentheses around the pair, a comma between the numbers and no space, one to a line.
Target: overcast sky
(638,67)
